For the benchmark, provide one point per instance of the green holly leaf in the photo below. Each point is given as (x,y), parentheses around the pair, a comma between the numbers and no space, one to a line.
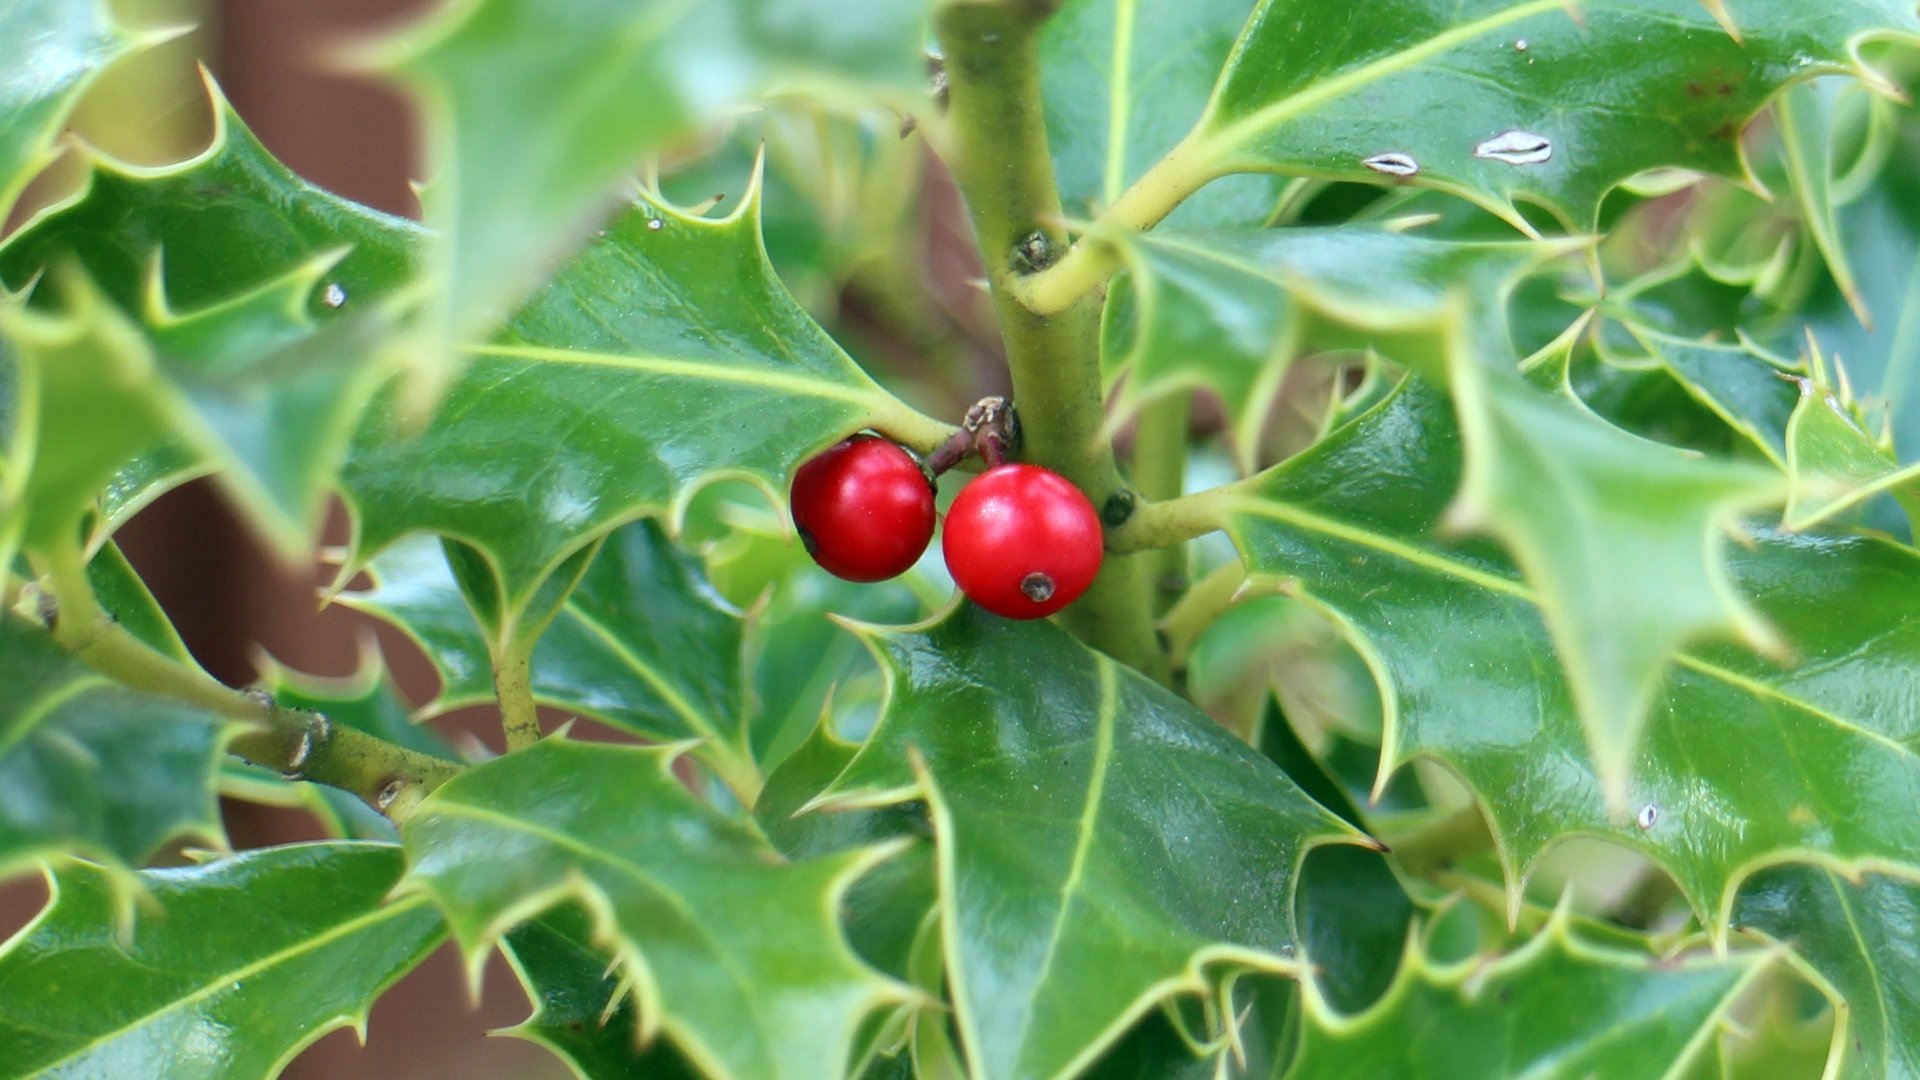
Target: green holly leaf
(1736,764)
(732,952)
(1093,833)
(1499,101)
(1878,227)
(51,51)
(79,370)
(1620,538)
(1229,310)
(803,663)
(93,768)
(582,1011)
(1753,393)
(1554,1007)
(1835,464)
(411,588)
(253,303)
(664,357)
(642,642)
(227,969)
(1810,127)
(529,144)
(1859,936)
(1122,81)
(1166,1046)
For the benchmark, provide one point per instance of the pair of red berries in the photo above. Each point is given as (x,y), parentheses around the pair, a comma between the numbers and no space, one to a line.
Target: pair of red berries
(1020,541)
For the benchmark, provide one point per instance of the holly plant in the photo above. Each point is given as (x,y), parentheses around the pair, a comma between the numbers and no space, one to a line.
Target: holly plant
(1424,581)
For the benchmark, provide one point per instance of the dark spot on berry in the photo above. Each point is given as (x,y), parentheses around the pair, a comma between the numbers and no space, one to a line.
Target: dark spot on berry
(1037,587)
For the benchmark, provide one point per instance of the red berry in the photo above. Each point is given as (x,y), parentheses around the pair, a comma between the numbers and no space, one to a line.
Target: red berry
(1022,541)
(864,509)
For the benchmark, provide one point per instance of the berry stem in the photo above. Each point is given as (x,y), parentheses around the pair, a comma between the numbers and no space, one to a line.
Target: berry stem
(1004,170)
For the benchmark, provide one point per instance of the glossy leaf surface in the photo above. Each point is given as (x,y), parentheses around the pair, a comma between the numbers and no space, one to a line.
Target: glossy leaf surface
(582,1013)
(732,952)
(1499,100)
(666,355)
(642,642)
(1122,81)
(1100,842)
(227,969)
(1737,762)
(1228,310)
(1620,538)
(1555,1007)
(1860,937)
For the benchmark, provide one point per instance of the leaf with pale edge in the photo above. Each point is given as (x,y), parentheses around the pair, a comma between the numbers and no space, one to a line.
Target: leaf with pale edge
(1620,537)
(1554,1009)
(1879,229)
(1863,939)
(1228,310)
(664,357)
(50,51)
(90,767)
(1102,846)
(1835,464)
(1738,763)
(252,304)
(1122,81)
(642,642)
(228,969)
(1504,100)
(581,1010)
(733,952)
(530,143)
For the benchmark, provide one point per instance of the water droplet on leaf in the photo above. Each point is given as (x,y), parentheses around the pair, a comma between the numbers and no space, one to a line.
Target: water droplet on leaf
(333,295)
(1648,817)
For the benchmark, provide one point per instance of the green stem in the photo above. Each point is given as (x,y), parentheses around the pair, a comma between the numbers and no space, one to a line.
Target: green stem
(299,745)
(1094,259)
(1006,174)
(1160,474)
(1166,524)
(513,686)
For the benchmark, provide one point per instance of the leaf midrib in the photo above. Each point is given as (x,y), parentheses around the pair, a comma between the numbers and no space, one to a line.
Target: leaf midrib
(240,974)
(1222,141)
(1105,717)
(726,960)
(694,718)
(677,367)
(1303,519)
